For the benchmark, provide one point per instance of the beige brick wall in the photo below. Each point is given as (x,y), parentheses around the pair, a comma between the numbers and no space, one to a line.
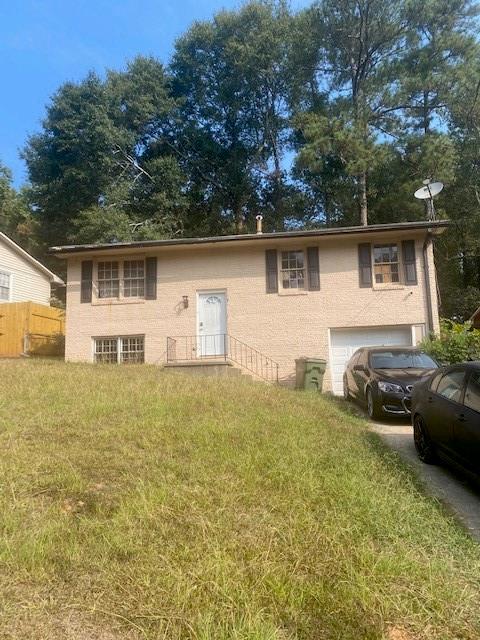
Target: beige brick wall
(283,327)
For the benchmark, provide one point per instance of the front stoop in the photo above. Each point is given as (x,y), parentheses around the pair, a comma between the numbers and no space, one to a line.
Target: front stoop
(205,368)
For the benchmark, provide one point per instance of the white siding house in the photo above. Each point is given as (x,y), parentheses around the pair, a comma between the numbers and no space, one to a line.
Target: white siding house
(22,277)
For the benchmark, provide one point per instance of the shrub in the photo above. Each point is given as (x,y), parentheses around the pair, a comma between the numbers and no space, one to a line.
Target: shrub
(458,342)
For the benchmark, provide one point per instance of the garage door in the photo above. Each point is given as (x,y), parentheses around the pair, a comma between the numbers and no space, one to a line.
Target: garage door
(344,343)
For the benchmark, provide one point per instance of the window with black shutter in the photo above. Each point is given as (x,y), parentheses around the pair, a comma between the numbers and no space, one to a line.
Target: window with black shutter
(386,263)
(365,264)
(292,270)
(86,281)
(151,278)
(409,262)
(271,271)
(313,269)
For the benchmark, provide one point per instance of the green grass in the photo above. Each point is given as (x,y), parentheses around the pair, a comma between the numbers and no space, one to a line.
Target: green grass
(141,504)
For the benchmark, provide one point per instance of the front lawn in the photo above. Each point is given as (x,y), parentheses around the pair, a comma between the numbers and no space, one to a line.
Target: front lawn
(141,504)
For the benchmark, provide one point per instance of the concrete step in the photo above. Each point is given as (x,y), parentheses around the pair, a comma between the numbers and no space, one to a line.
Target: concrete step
(210,368)
(203,367)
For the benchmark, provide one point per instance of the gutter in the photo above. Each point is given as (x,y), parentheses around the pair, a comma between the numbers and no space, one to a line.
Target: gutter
(61,251)
(428,289)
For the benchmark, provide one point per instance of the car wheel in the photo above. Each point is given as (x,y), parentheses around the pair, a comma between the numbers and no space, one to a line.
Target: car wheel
(346,390)
(423,443)
(373,409)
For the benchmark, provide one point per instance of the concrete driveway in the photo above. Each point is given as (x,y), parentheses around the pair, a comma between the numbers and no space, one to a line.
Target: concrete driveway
(459,494)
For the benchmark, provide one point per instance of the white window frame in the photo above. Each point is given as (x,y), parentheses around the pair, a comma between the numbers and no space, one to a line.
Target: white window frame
(120,351)
(281,270)
(9,275)
(111,280)
(137,281)
(392,283)
(121,279)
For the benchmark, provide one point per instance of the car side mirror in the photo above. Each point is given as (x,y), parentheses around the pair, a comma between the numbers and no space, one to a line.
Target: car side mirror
(360,367)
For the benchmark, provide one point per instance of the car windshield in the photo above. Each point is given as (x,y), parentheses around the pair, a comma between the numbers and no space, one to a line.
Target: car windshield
(401,360)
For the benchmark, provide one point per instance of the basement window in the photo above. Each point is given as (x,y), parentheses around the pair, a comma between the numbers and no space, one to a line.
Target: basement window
(119,350)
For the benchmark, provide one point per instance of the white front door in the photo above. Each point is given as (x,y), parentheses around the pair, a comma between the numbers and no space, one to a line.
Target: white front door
(212,323)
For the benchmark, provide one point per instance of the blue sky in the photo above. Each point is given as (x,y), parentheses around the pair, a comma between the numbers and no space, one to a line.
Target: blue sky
(44,43)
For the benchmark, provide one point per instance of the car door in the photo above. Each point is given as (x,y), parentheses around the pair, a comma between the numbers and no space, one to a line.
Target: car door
(360,375)
(349,373)
(467,424)
(443,406)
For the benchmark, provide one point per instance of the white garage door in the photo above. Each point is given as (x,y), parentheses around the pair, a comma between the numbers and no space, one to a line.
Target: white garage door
(344,343)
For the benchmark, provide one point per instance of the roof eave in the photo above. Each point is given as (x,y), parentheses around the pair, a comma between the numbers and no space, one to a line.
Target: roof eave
(33,261)
(436,227)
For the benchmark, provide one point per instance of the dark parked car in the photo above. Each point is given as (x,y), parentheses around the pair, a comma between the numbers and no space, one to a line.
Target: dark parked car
(446,415)
(382,378)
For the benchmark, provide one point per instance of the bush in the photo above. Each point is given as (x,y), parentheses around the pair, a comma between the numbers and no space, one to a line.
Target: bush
(458,342)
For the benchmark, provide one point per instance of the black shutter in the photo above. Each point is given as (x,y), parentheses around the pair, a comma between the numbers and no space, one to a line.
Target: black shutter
(365,264)
(272,270)
(86,281)
(313,268)
(151,278)
(409,262)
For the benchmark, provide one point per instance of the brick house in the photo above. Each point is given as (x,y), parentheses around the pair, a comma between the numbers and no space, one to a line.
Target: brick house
(254,300)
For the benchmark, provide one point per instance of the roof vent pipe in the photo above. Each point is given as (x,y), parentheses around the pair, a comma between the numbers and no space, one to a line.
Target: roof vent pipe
(259,220)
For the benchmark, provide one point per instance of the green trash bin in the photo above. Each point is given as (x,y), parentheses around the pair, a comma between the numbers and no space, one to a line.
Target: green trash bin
(309,373)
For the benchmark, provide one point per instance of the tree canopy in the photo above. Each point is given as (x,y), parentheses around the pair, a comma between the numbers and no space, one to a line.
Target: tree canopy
(331,115)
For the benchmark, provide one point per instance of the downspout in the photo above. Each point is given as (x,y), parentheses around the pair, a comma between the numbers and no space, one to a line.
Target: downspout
(428,289)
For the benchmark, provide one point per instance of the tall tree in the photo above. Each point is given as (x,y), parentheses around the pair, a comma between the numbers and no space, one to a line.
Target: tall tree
(359,45)
(16,219)
(98,153)
(228,74)
(442,40)
(440,46)
(459,251)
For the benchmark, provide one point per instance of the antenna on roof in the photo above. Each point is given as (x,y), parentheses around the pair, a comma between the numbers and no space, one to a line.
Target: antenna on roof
(427,193)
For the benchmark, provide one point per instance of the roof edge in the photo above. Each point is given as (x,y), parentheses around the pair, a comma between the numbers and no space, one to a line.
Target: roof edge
(24,254)
(305,233)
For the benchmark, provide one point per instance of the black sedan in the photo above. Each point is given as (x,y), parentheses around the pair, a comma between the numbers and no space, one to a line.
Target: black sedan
(446,415)
(382,378)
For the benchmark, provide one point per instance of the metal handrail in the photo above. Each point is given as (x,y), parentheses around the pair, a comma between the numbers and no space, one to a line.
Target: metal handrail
(224,347)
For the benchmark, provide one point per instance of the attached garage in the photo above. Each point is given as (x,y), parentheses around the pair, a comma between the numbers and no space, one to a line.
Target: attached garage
(344,343)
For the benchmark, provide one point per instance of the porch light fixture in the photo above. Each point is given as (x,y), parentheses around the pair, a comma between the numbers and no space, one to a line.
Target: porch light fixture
(185,302)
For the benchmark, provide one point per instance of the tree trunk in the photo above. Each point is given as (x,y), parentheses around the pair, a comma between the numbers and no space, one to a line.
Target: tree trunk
(326,209)
(362,196)
(238,217)
(425,115)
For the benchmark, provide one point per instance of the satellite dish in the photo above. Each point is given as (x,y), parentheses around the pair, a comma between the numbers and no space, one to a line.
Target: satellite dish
(427,193)
(429,190)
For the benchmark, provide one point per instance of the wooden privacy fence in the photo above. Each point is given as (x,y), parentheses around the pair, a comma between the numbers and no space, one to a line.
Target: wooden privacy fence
(27,328)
